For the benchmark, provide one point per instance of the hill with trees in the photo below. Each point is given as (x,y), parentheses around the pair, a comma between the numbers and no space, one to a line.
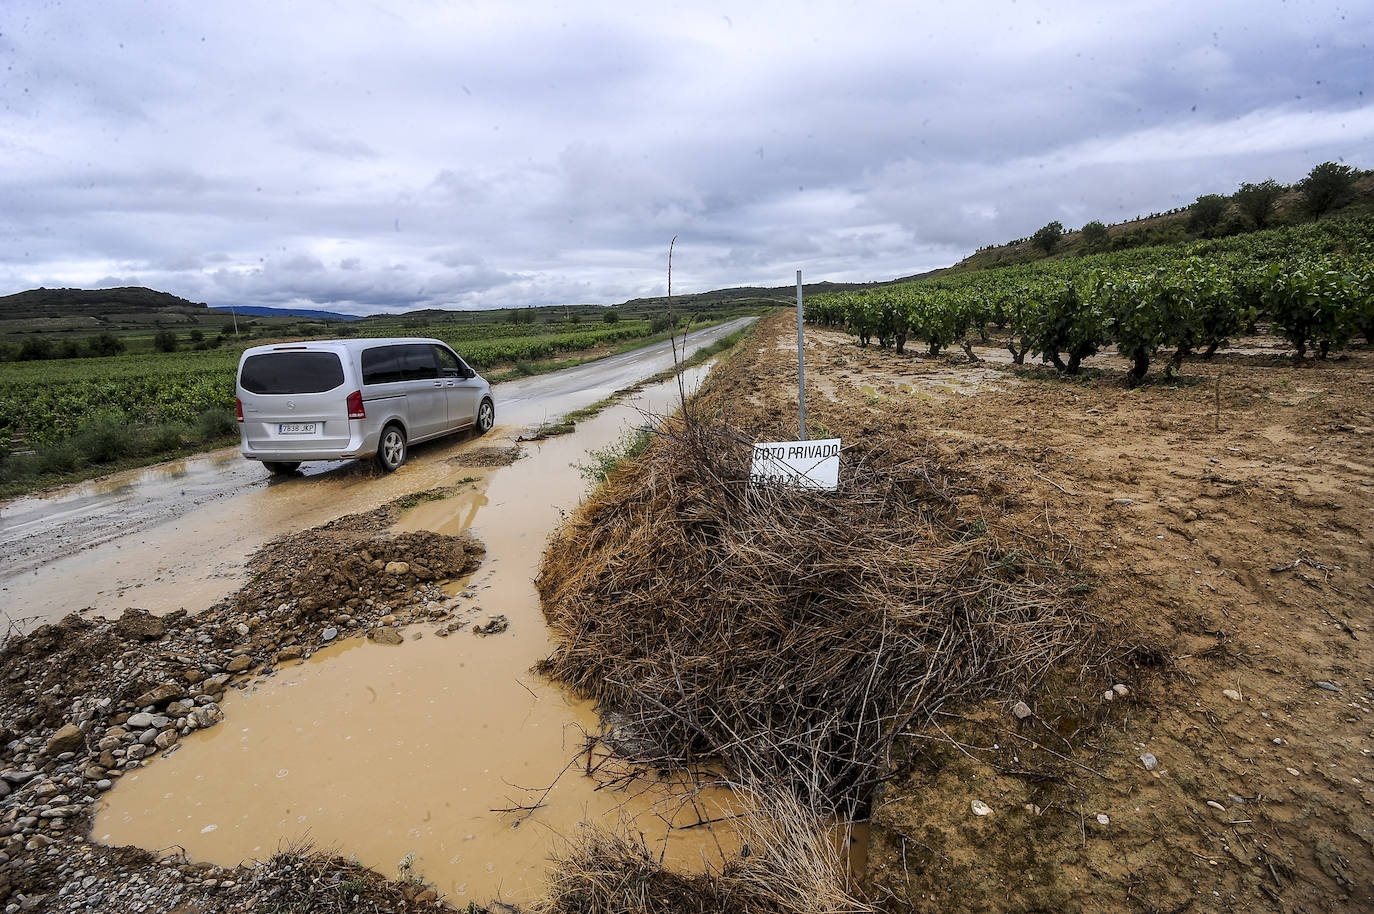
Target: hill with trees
(1329,189)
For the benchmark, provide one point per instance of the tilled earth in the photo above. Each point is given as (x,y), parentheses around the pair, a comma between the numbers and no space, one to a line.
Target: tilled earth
(82,702)
(1226,522)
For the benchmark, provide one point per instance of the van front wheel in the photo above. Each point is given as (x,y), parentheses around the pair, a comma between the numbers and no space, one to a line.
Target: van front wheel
(391,449)
(486,417)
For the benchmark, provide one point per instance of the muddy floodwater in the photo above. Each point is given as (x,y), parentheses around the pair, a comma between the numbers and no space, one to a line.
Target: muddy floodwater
(403,752)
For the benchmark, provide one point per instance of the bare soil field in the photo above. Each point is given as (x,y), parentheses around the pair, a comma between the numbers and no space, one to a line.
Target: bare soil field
(1226,524)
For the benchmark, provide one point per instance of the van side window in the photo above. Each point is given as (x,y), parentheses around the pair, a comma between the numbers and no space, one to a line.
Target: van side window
(410,362)
(382,365)
(417,362)
(450,366)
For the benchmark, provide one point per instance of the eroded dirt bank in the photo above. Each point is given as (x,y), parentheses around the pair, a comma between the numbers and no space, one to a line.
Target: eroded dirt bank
(1208,747)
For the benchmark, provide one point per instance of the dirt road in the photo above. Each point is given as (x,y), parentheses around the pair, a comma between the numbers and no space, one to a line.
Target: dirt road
(176,535)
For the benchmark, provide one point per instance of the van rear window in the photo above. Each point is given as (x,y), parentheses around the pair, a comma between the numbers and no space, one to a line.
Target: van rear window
(291,373)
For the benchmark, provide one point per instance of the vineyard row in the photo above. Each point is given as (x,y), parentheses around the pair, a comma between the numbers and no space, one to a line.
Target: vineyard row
(1313,284)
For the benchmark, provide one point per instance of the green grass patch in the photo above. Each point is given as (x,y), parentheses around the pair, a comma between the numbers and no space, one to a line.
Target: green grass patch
(605,460)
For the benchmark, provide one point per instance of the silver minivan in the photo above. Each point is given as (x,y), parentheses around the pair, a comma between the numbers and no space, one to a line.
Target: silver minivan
(334,399)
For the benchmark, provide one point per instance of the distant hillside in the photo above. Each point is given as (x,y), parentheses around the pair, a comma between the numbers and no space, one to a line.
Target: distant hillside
(130,312)
(262,311)
(64,303)
(739,297)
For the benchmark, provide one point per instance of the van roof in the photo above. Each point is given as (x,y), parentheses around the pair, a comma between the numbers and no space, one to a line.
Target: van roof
(352,345)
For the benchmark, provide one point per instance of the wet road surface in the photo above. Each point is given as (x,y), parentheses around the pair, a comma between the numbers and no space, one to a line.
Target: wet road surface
(176,535)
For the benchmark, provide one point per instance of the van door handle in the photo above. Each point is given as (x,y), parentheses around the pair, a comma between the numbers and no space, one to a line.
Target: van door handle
(438,383)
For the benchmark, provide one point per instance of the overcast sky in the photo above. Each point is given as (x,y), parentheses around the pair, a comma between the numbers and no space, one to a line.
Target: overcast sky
(388,156)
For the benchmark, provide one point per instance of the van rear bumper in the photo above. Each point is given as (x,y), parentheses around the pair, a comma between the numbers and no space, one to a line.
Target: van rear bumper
(357,445)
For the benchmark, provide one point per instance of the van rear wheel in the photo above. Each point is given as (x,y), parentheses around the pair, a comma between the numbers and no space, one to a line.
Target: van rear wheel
(391,449)
(281,468)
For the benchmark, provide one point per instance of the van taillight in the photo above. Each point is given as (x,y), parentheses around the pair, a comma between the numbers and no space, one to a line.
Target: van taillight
(238,409)
(355,405)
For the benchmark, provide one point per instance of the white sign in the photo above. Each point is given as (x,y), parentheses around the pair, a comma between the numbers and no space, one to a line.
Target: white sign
(804,464)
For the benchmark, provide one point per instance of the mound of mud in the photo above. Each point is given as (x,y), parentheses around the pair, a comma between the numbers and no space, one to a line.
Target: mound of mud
(792,635)
(319,573)
(488,456)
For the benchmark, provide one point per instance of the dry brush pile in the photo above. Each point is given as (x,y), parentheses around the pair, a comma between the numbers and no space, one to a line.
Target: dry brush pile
(788,637)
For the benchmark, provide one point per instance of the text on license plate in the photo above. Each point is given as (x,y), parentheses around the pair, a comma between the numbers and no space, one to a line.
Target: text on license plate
(296,428)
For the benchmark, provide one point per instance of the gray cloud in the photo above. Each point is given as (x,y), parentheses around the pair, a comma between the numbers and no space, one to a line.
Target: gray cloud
(423,155)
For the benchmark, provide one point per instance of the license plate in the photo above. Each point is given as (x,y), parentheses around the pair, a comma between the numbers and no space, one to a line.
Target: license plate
(296,428)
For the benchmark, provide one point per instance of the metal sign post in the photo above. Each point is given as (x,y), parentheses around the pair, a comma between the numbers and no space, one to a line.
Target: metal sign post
(801,362)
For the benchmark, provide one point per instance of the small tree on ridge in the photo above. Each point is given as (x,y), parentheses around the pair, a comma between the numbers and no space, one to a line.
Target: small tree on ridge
(1047,237)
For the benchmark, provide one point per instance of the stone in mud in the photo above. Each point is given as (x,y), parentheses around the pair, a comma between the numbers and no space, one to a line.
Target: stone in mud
(289,653)
(329,634)
(206,717)
(68,739)
(216,683)
(493,626)
(238,664)
(140,721)
(1021,710)
(385,636)
(160,694)
(397,568)
(166,739)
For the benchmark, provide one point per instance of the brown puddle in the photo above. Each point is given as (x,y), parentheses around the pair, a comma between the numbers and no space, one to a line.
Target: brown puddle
(383,752)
